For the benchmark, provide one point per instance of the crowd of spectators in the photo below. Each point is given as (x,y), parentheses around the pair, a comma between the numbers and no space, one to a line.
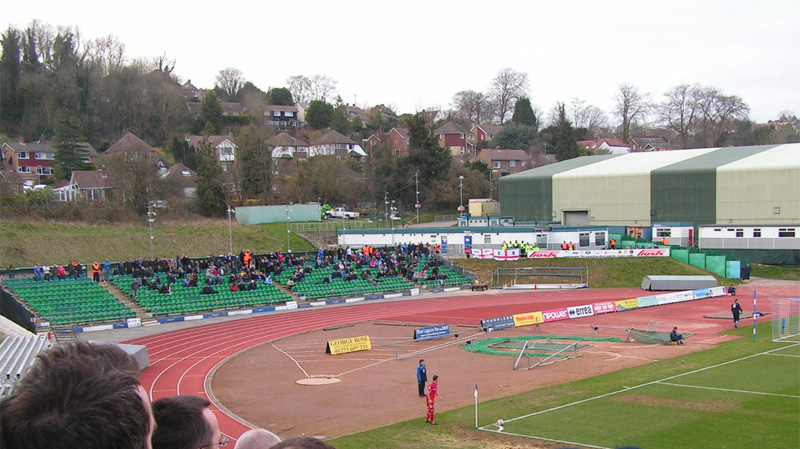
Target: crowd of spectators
(242,272)
(88,395)
(246,271)
(371,264)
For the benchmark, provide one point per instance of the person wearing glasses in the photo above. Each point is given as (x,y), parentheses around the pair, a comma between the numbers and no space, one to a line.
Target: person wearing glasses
(81,395)
(186,422)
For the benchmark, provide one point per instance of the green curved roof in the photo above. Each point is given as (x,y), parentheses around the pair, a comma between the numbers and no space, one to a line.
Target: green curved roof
(683,185)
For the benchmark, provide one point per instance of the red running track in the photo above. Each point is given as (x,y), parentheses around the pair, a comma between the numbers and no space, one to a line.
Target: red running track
(181,361)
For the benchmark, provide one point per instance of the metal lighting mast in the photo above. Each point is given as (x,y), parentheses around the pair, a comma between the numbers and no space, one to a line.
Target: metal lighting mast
(151,218)
(461,195)
(386,206)
(417,205)
(230,228)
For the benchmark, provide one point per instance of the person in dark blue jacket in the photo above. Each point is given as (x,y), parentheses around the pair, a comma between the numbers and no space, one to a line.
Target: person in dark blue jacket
(422,377)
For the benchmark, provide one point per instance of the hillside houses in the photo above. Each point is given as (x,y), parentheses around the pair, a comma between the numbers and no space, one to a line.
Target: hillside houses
(123,167)
(457,138)
(33,162)
(224,148)
(605,146)
(304,145)
(395,141)
(505,162)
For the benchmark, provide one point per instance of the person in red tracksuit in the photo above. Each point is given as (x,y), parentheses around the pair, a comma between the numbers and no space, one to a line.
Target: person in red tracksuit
(433,392)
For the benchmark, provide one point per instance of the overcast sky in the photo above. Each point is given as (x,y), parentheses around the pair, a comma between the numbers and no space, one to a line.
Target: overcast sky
(415,55)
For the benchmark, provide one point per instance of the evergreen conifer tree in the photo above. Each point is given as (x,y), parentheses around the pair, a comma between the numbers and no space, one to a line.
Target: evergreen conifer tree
(70,152)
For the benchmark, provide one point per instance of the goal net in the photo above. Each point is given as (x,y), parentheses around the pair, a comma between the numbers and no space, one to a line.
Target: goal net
(785,319)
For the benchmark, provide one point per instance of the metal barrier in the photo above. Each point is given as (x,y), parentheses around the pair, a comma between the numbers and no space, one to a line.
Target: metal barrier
(330,225)
(459,339)
(573,346)
(460,270)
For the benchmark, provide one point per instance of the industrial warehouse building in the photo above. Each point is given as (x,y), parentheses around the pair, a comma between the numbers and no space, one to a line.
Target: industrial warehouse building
(755,185)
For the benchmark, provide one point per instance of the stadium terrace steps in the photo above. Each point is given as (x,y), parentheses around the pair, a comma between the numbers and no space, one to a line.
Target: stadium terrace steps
(69,301)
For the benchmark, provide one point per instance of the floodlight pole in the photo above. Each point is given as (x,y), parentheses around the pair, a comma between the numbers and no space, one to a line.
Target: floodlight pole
(230,229)
(417,205)
(386,207)
(461,195)
(151,217)
(391,219)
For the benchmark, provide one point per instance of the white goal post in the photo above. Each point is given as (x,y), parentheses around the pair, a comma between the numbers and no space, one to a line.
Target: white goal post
(785,319)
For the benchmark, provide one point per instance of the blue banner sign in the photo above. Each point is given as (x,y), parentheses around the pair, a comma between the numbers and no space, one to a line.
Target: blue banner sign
(430,333)
(501,322)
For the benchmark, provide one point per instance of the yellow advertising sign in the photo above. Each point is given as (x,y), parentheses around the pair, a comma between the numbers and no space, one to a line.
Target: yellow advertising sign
(527,319)
(627,304)
(346,345)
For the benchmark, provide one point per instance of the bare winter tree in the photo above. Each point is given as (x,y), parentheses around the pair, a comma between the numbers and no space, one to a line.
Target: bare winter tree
(632,107)
(43,35)
(322,87)
(506,88)
(471,105)
(305,89)
(680,110)
(300,87)
(716,112)
(594,119)
(576,108)
(230,80)
(162,64)
(106,55)
(587,116)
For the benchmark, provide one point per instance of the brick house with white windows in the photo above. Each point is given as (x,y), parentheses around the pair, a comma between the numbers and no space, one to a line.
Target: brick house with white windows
(34,161)
(396,141)
(505,162)
(485,132)
(456,138)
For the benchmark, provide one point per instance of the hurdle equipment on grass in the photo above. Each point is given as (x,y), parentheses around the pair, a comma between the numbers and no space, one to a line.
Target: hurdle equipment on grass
(546,348)
(551,278)
(574,347)
(786,319)
(651,336)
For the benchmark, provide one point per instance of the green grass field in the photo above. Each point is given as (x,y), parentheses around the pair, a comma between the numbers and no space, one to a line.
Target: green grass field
(740,395)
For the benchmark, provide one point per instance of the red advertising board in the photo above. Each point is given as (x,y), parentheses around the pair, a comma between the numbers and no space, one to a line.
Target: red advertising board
(604,307)
(543,255)
(555,315)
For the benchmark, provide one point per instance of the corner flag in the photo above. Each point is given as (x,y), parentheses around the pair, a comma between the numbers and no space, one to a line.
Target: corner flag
(476,406)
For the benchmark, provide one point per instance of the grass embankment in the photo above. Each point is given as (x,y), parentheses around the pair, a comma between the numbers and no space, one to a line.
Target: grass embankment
(692,421)
(27,243)
(771,272)
(626,272)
